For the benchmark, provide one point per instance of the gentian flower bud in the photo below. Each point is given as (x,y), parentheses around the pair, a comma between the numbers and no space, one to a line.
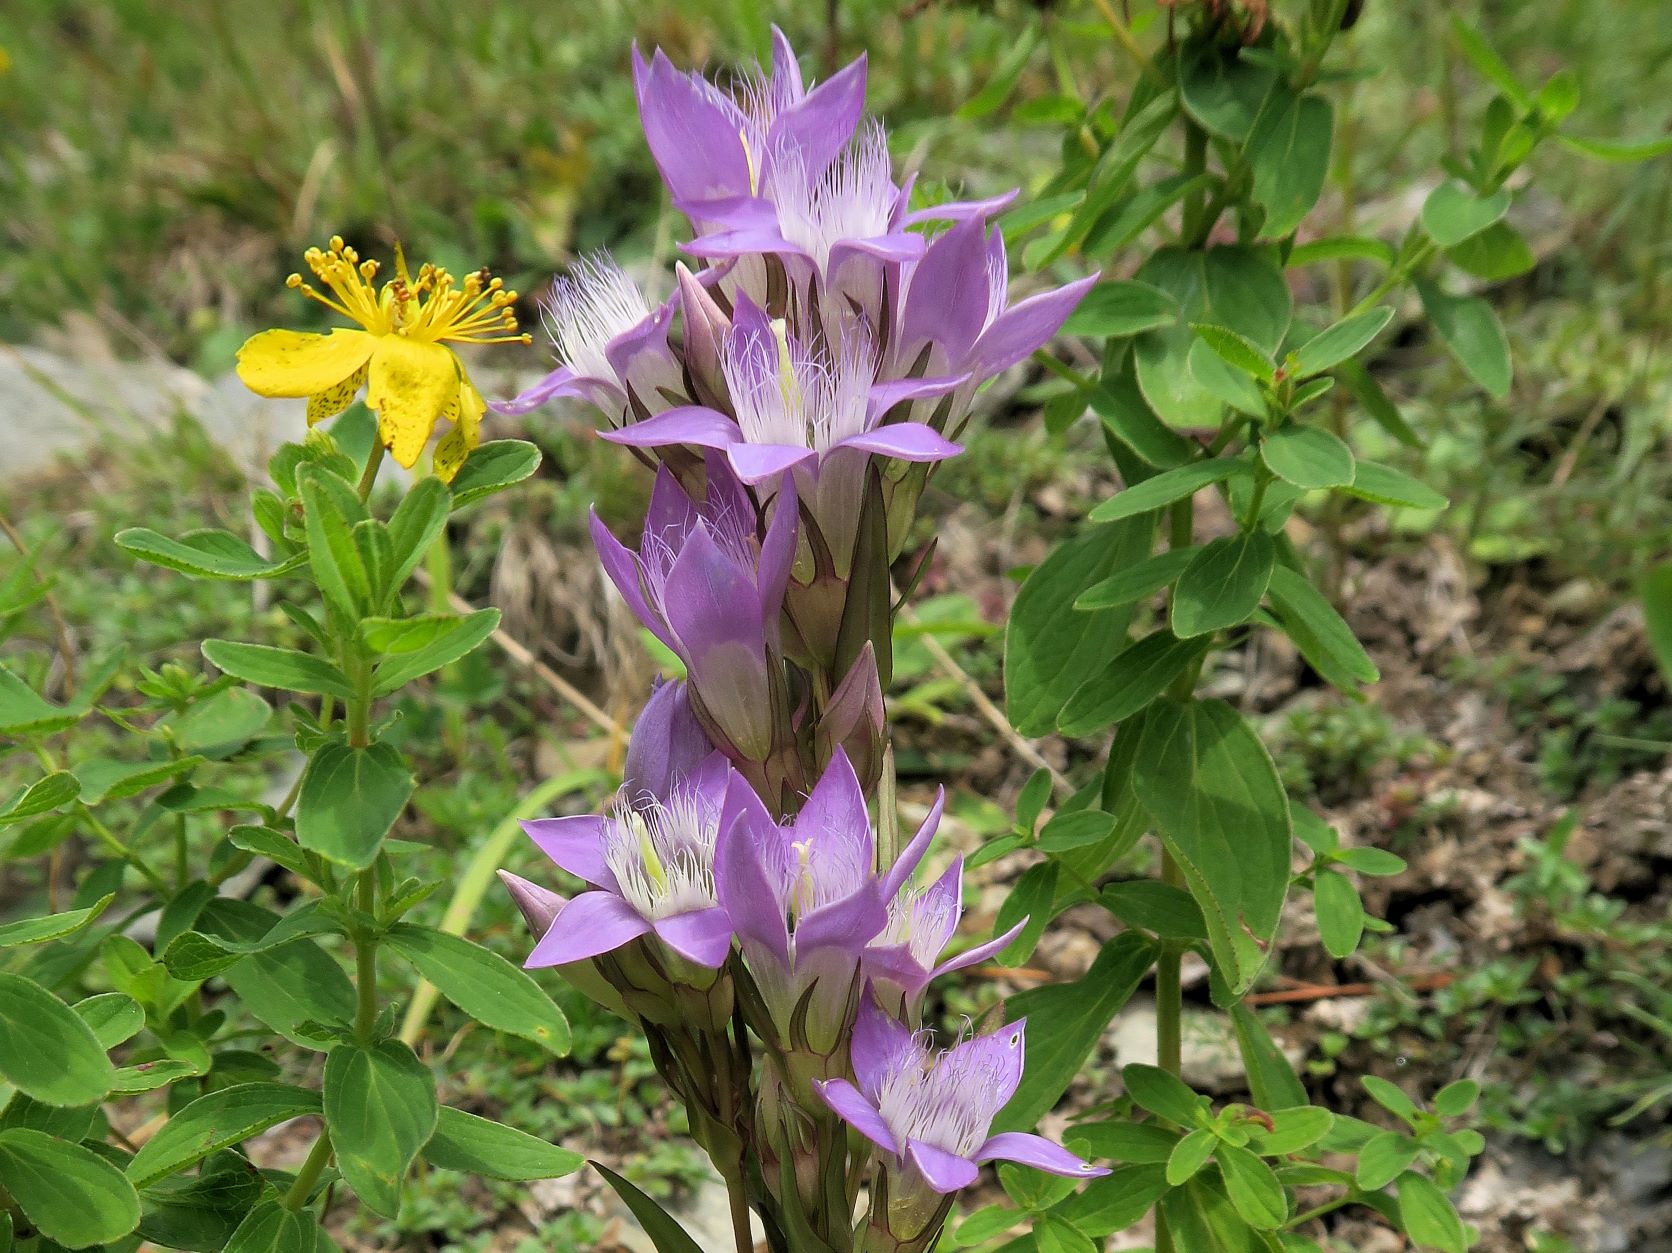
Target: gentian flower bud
(667,745)
(711,591)
(705,328)
(930,1113)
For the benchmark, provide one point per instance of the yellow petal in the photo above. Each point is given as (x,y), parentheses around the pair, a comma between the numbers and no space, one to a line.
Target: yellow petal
(333,400)
(294,363)
(466,415)
(412,382)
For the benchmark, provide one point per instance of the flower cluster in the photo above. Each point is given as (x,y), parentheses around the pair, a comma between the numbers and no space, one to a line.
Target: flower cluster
(794,392)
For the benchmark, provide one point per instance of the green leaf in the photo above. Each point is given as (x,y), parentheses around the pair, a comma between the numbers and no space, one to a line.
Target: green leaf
(1456,1098)
(1170,385)
(1252,1187)
(1218,804)
(1389,1097)
(1428,1217)
(1371,861)
(1223,584)
(350,798)
(204,1211)
(1078,1013)
(1047,647)
(42,796)
(102,779)
(275,846)
(1307,456)
(1293,1130)
(1340,914)
(1342,248)
(1116,1201)
(1125,220)
(1120,1140)
(1471,331)
(380,1107)
(227,718)
(1497,253)
(24,712)
(1053,1235)
(51,926)
(490,989)
(1368,392)
(1202,1220)
(1271,1080)
(196,955)
(1223,92)
(1490,65)
(286,668)
(1618,150)
(1159,907)
(210,554)
(1239,288)
(1288,150)
(112,1017)
(665,1233)
(493,467)
(71,1194)
(480,1146)
(1136,676)
(453,638)
(1127,417)
(1333,345)
(1453,212)
(149,1076)
(1236,350)
(329,510)
(218,1121)
(1324,639)
(1162,1094)
(1032,898)
(272,1228)
(1138,582)
(46,1050)
(286,988)
(1224,382)
(416,522)
(1166,487)
(1071,829)
(1384,485)
(1113,310)
(1189,1155)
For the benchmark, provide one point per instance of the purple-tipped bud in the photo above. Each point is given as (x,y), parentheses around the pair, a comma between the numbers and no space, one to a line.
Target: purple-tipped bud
(855,720)
(668,743)
(539,907)
(706,327)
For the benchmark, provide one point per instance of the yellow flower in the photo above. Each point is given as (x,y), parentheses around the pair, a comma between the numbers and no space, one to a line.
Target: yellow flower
(412,379)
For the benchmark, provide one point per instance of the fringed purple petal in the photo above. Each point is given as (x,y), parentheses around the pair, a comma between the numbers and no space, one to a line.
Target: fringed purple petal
(963,210)
(764,463)
(693,132)
(845,926)
(624,570)
(900,873)
(752,902)
(561,382)
(880,1042)
(981,952)
(852,1108)
(944,1172)
(906,441)
(703,936)
(576,844)
(949,296)
(778,551)
(821,124)
(688,424)
(1038,1152)
(592,923)
(1026,326)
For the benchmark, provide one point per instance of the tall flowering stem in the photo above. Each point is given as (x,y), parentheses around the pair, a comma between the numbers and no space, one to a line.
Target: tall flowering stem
(809,369)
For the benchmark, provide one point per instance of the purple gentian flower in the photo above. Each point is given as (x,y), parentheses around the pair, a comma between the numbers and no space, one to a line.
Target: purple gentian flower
(930,1111)
(668,743)
(804,897)
(650,867)
(612,345)
(711,591)
(955,308)
(905,956)
(714,151)
(795,404)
